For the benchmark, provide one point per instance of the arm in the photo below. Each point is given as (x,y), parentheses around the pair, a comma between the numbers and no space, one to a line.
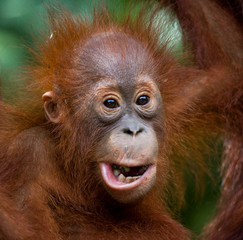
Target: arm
(216,39)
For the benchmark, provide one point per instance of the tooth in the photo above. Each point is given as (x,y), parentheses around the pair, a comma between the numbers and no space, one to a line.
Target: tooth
(121,178)
(136,178)
(116,172)
(129,179)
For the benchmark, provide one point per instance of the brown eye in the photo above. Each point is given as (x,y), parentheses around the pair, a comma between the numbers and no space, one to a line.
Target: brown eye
(111,103)
(143,100)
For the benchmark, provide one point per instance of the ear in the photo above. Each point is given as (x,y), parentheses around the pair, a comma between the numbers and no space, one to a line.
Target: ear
(51,107)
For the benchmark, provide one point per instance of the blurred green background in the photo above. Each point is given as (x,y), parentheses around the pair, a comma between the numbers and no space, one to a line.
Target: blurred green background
(20,22)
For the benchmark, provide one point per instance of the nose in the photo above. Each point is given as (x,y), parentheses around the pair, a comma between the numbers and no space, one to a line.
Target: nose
(133,129)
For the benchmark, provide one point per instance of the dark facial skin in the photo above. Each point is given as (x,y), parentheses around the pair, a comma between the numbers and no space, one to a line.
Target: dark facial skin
(127,100)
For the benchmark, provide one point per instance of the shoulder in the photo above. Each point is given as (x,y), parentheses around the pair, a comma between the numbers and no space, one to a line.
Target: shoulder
(30,146)
(33,137)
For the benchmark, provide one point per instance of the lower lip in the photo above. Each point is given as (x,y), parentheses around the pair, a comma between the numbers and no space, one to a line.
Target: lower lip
(112,182)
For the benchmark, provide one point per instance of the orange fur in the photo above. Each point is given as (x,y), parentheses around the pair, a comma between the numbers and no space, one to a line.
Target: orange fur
(50,188)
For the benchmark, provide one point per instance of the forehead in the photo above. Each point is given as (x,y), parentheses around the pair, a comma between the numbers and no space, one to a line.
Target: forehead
(117,56)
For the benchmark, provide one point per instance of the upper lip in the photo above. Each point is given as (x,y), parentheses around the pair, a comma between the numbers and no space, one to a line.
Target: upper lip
(131,162)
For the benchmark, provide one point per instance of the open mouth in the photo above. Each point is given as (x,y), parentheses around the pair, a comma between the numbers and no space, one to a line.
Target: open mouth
(128,174)
(120,177)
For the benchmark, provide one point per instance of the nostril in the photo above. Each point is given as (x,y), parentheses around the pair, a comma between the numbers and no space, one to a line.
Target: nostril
(140,130)
(132,132)
(127,131)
